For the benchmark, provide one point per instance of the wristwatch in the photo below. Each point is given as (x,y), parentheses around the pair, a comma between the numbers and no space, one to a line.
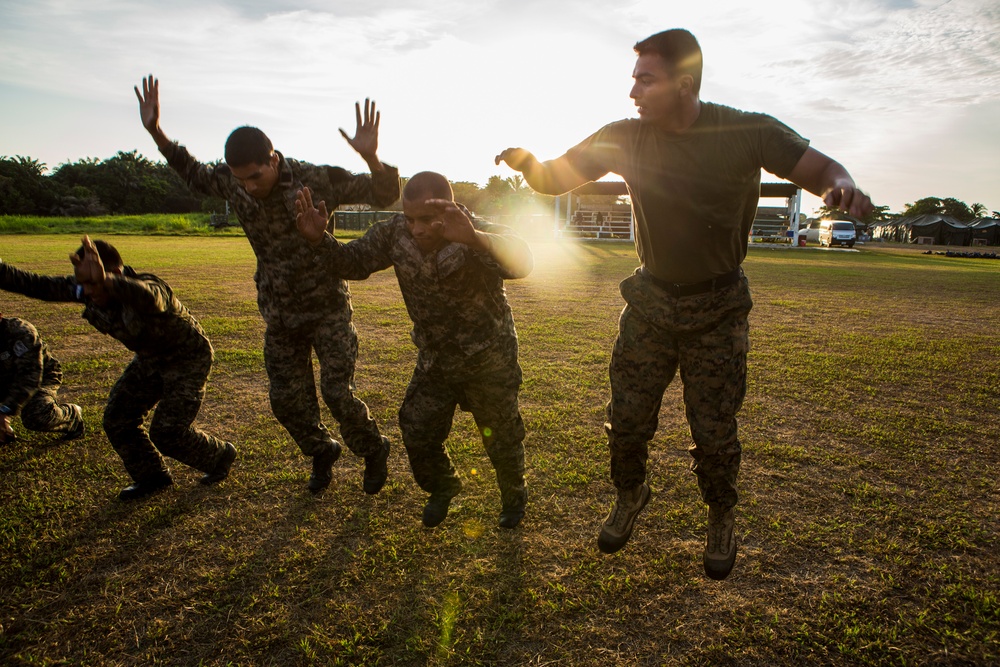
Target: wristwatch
(6,410)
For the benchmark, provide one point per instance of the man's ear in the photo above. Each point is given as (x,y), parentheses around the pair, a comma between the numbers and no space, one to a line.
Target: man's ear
(117,270)
(274,161)
(687,84)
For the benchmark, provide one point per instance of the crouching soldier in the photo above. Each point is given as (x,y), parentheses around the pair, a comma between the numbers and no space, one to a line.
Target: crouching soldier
(450,269)
(171,364)
(29,380)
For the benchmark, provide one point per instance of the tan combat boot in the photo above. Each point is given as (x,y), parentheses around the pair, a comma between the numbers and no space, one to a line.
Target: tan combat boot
(720,545)
(618,526)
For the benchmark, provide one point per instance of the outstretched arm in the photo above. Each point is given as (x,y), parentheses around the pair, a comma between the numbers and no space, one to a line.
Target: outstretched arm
(30,284)
(351,261)
(552,177)
(365,140)
(825,177)
(205,179)
(149,110)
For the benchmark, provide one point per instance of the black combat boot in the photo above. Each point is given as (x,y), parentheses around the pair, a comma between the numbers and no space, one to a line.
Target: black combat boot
(377,469)
(146,487)
(322,473)
(437,505)
(221,469)
(513,511)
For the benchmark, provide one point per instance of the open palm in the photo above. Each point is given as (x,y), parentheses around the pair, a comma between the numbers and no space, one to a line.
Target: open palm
(365,140)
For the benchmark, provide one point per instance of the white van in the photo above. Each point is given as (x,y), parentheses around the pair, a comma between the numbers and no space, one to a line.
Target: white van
(837,232)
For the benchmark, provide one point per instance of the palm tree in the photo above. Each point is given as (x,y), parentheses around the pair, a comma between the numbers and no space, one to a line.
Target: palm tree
(516,182)
(31,165)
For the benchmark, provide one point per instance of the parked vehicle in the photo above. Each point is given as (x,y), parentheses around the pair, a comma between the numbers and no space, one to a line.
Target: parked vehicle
(837,232)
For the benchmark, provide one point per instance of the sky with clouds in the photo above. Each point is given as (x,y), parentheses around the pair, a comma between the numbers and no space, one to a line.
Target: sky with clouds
(905,93)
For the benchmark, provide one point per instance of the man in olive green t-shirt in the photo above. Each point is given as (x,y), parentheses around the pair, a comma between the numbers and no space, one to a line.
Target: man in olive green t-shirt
(693,173)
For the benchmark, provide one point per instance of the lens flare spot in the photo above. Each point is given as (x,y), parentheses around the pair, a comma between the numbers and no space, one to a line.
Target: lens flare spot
(447,617)
(487,432)
(473,528)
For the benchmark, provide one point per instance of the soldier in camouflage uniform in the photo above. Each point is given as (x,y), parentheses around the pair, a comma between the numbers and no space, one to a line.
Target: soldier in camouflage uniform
(693,174)
(305,307)
(450,267)
(171,364)
(29,380)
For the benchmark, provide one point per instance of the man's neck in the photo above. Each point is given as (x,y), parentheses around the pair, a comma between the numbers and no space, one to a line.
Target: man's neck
(682,121)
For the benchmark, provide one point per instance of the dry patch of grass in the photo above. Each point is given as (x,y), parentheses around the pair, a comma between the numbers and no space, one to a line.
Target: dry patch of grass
(869,495)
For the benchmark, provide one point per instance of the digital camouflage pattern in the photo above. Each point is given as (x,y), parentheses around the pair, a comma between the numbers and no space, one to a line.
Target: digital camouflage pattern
(304,303)
(706,336)
(455,296)
(30,378)
(464,331)
(292,290)
(485,384)
(172,360)
(288,360)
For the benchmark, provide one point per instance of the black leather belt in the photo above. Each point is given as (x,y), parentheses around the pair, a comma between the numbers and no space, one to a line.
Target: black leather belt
(690,289)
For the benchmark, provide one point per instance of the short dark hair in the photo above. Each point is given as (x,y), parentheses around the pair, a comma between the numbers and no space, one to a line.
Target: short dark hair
(427,185)
(247,145)
(109,255)
(679,49)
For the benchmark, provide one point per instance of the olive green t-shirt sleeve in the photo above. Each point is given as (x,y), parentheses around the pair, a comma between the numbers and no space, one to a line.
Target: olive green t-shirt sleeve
(781,147)
(601,153)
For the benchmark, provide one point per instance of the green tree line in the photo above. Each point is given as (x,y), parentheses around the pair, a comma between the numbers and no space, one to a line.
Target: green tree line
(126,184)
(949,206)
(130,184)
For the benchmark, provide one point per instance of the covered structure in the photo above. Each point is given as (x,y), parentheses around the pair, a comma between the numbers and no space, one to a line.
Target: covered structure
(936,229)
(896,230)
(939,230)
(985,231)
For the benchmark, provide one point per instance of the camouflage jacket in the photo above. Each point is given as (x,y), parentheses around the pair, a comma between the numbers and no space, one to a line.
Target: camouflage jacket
(291,290)
(454,296)
(144,315)
(25,363)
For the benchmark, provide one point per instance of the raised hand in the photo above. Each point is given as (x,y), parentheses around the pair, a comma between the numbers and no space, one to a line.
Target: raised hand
(454,225)
(365,140)
(88,268)
(149,103)
(310,220)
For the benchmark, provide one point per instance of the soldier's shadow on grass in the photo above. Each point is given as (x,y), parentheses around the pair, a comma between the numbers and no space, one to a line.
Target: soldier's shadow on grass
(26,449)
(99,549)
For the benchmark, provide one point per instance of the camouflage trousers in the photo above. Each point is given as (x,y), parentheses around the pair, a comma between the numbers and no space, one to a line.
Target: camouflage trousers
(44,413)
(288,359)
(706,336)
(176,386)
(485,384)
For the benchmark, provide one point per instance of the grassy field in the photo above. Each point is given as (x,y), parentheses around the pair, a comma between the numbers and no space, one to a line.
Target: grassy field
(868,523)
(151,224)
